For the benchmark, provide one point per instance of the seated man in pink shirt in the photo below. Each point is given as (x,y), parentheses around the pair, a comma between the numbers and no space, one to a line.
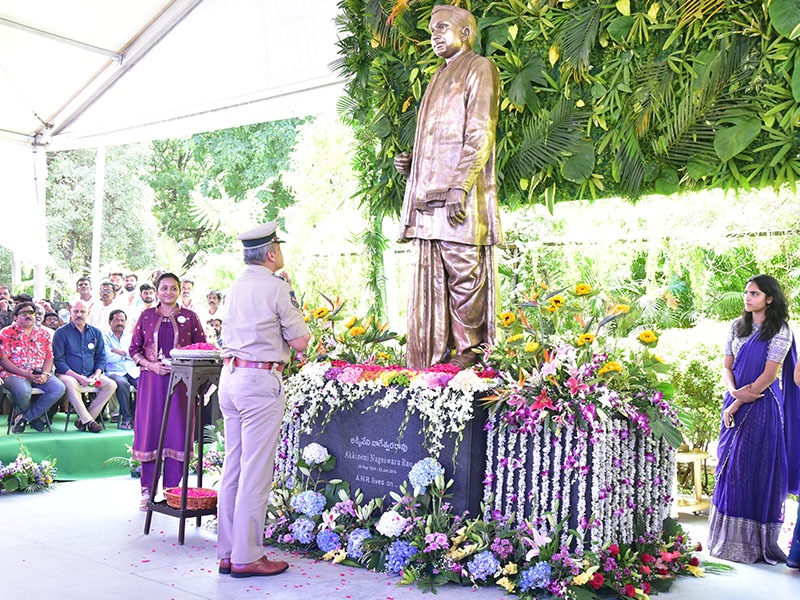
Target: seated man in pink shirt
(26,356)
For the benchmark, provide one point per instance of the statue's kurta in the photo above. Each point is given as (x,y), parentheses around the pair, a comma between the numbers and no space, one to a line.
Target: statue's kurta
(454,148)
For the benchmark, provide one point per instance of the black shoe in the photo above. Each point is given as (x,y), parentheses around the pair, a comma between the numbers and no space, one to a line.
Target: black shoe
(115,418)
(793,564)
(38,425)
(79,425)
(19,424)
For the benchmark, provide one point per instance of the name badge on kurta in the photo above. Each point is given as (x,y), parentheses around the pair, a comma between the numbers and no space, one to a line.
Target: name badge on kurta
(90,345)
(181,320)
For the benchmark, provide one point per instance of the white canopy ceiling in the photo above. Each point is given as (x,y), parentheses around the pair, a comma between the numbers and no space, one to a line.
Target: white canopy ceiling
(93,72)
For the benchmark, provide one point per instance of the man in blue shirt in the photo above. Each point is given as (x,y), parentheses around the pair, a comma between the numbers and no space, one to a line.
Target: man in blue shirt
(80,358)
(120,366)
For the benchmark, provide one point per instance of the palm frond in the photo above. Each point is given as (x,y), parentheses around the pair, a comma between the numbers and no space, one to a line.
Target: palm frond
(689,132)
(697,10)
(577,36)
(547,141)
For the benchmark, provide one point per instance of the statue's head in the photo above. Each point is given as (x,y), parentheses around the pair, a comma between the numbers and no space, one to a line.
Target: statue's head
(452,28)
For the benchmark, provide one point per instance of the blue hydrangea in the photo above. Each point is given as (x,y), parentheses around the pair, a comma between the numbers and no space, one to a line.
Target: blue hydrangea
(328,540)
(354,541)
(309,503)
(423,473)
(303,530)
(535,577)
(483,565)
(400,553)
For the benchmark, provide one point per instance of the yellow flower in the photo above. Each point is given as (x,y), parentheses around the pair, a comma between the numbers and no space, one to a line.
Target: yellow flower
(506,584)
(551,309)
(582,289)
(620,309)
(648,337)
(457,554)
(581,579)
(586,338)
(507,318)
(461,537)
(350,322)
(306,318)
(386,376)
(531,347)
(611,365)
(356,331)
(510,569)
(557,301)
(657,358)
(320,313)
(383,356)
(336,556)
(514,338)
(696,571)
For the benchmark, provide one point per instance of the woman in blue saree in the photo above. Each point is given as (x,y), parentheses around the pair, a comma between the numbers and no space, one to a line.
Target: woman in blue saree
(754,465)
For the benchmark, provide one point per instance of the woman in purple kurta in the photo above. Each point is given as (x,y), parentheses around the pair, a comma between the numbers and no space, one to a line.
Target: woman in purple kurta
(157,332)
(754,468)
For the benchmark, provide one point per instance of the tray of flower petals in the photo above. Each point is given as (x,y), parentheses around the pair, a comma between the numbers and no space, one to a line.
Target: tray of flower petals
(196,498)
(199,351)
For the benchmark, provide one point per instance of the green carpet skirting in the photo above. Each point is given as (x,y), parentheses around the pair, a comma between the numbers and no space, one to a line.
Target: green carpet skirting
(79,455)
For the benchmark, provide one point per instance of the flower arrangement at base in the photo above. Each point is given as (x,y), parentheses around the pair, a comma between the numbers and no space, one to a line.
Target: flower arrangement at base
(442,396)
(420,539)
(25,475)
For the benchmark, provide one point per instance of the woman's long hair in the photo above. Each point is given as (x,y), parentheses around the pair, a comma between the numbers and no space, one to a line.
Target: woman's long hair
(777,311)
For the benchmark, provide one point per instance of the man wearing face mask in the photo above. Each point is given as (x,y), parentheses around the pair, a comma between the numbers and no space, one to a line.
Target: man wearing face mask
(26,357)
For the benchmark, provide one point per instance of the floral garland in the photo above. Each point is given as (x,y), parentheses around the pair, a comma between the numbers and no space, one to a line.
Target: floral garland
(26,475)
(442,396)
(615,473)
(419,538)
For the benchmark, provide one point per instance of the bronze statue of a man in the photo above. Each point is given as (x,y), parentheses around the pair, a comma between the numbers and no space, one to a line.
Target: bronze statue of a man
(450,205)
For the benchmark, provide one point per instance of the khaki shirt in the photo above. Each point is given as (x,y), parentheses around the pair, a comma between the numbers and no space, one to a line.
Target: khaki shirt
(260,317)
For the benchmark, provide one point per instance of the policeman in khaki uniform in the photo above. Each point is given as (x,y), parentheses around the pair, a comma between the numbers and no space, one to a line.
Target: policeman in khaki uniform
(263,324)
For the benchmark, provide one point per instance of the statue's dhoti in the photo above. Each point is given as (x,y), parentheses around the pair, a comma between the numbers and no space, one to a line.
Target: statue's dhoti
(452,301)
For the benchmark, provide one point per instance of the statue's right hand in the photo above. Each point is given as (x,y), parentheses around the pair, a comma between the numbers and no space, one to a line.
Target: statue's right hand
(402,162)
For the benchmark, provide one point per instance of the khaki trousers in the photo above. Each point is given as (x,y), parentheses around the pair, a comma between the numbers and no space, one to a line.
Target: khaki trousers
(102,395)
(452,301)
(252,403)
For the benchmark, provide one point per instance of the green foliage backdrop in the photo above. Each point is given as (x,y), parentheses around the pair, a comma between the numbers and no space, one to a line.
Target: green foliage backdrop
(599,98)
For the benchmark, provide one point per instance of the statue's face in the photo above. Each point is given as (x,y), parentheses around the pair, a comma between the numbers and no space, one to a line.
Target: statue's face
(447,36)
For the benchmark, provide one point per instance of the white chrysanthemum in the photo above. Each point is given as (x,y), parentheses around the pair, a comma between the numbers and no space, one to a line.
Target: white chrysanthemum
(391,524)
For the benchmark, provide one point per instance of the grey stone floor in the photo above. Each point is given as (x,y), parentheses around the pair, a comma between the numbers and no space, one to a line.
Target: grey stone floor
(84,540)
